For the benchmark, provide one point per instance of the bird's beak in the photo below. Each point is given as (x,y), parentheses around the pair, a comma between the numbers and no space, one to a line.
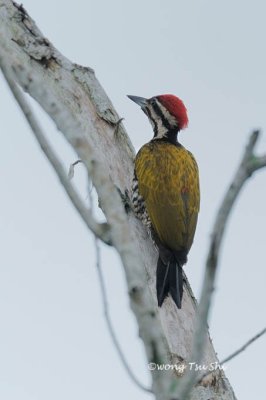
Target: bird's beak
(141,101)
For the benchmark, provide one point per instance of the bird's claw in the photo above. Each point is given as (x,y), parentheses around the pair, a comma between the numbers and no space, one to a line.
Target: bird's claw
(125,199)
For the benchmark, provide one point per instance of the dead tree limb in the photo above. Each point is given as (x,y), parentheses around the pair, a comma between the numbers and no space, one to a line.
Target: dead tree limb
(72,96)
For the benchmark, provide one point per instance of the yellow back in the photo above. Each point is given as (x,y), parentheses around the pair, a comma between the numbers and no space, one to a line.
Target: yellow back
(168,181)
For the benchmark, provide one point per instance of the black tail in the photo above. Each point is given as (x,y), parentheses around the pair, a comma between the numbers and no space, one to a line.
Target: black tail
(169,279)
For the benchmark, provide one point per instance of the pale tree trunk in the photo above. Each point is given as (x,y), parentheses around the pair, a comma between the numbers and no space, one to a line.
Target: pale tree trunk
(72,96)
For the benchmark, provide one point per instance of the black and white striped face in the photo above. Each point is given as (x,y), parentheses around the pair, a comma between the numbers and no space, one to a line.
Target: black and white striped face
(161,120)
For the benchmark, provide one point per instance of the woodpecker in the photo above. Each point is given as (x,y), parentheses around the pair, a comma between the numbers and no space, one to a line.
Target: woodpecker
(165,191)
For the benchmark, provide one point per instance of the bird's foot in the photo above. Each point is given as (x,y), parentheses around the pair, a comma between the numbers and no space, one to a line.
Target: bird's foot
(125,199)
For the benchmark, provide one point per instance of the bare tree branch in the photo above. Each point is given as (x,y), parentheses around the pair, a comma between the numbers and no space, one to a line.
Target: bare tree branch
(101,231)
(242,348)
(107,316)
(235,353)
(81,110)
(249,164)
(74,99)
(109,322)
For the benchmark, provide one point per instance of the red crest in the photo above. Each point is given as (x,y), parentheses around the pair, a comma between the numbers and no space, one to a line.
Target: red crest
(176,107)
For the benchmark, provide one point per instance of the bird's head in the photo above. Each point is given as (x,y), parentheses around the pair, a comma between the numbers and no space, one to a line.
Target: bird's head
(167,114)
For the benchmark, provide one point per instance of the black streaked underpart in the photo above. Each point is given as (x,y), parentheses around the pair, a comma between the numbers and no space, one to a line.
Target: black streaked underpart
(138,203)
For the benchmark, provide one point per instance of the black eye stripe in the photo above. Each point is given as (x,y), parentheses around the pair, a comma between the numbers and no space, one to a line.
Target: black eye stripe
(160,114)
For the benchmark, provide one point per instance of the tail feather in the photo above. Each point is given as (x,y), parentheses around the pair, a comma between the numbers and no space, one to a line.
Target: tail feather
(162,281)
(176,283)
(169,278)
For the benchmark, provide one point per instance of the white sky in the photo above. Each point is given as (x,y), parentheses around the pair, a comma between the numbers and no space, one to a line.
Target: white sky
(53,339)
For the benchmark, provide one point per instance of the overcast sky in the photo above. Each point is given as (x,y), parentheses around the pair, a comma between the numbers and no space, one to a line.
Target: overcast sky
(53,338)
